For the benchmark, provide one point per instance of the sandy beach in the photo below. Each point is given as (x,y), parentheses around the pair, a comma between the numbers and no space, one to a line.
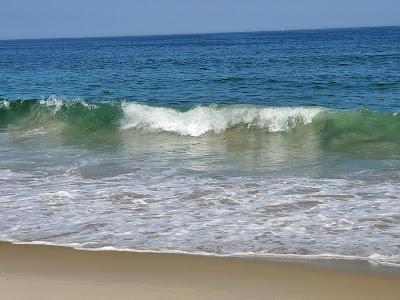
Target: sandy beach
(48,272)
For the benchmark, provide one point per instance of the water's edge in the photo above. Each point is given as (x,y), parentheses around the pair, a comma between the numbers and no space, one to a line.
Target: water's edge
(351,263)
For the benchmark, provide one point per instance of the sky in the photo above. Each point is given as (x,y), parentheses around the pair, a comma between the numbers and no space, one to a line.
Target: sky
(80,18)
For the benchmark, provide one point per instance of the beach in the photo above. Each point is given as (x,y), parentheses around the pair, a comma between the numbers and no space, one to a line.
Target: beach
(239,143)
(49,272)
(242,165)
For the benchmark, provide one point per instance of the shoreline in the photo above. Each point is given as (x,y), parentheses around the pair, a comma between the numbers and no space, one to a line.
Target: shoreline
(30,271)
(352,263)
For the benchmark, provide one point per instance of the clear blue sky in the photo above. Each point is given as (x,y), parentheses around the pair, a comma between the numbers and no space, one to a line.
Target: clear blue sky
(73,18)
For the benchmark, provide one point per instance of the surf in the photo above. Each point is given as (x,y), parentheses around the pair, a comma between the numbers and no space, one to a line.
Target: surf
(337,129)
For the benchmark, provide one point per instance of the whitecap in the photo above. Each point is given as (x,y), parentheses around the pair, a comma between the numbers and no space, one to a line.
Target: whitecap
(202,119)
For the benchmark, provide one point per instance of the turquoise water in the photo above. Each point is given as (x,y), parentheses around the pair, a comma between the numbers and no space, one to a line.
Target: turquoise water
(253,143)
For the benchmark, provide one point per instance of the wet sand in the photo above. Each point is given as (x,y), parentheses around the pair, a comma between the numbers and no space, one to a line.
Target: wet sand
(48,272)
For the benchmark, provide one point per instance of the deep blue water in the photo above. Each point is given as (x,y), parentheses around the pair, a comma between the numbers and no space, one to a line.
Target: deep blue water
(346,68)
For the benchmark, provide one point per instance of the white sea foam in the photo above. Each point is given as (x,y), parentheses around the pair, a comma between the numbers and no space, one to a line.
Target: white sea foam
(374,260)
(4,104)
(388,260)
(54,102)
(64,194)
(201,119)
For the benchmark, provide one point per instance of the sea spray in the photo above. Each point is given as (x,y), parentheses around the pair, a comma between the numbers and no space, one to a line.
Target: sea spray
(202,119)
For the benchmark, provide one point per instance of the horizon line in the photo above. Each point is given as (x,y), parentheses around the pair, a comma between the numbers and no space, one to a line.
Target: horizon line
(193,33)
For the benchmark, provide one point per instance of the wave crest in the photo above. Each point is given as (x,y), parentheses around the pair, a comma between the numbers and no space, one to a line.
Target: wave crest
(202,119)
(339,130)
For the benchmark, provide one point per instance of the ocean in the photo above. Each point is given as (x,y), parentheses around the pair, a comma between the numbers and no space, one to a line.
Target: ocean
(257,144)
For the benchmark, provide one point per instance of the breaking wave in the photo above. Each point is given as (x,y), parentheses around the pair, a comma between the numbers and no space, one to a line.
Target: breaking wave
(334,128)
(202,119)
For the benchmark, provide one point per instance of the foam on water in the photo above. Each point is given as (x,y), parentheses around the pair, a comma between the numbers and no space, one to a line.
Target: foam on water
(174,211)
(359,130)
(56,103)
(374,259)
(202,119)
(53,102)
(4,104)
